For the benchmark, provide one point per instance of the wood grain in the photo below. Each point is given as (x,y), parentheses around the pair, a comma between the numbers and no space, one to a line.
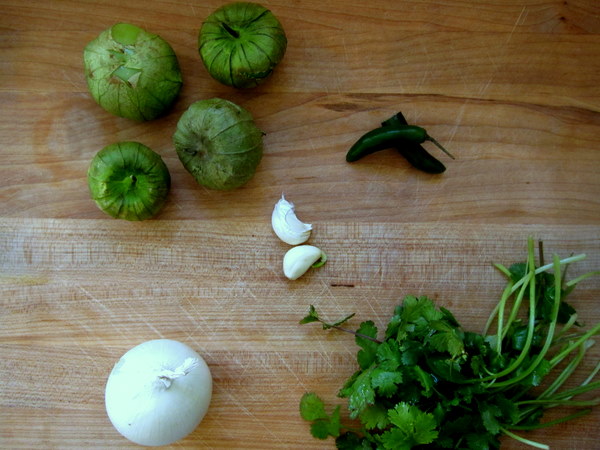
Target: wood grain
(78,293)
(512,89)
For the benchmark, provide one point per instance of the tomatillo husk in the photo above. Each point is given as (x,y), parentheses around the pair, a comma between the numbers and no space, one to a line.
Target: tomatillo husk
(241,43)
(128,180)
(218,142)
(132,73)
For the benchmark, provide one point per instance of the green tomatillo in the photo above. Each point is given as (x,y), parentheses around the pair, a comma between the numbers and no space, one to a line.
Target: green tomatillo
(218,142)
(132,73)
(128,180)
(241,43)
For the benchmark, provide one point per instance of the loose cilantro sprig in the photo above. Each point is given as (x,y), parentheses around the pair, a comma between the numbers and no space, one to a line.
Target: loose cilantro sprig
(428,382)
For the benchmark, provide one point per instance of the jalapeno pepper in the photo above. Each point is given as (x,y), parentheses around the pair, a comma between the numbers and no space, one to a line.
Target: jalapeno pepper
(415,154)
(395,132)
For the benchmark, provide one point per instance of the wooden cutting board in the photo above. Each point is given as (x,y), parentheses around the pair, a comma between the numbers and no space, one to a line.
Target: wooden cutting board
(510,89)
(77,294)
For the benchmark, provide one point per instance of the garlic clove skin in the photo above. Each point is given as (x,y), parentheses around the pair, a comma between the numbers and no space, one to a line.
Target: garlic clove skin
(286,224)
(298,260)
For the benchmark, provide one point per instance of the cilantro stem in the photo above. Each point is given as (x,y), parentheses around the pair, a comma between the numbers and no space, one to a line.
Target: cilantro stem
(498,311)
(561,399)
(551,327)
(567,372)
(584,337)
(514,286)
(522,342)
(523,440)
(355,333)
(566,327)
(505,294)
(551,423)
(530,328)
(313,316)
(565,395)
(574,281)
(516,306)
(569,393)
(565,402)
(563,262)
(503,269)
(501,306)
(591,375)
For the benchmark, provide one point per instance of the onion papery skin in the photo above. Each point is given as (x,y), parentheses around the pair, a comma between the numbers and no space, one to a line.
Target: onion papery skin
(142,408)
(133,73)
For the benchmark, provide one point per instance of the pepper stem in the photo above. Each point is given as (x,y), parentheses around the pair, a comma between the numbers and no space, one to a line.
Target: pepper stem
(429,138)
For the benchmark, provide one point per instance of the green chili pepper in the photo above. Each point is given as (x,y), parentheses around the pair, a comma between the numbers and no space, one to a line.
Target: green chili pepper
(394,132)
(415,154)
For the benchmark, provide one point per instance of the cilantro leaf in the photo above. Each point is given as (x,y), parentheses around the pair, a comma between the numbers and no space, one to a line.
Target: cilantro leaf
(395,439)
(411,352)
(323,428)
(386,382)
(388,355)
(489,416)
(518,271)
(412,317)
(323,425)
(425,379)
(536,377)
(366,356)
(456,427)
(449,317)
(351,441)
(312,316)
(360,392)
(509,409)
(420,309)
(446,338)
(429,383)
(412,427)
(445,368)
(482,441)
(374,416)
(312,407)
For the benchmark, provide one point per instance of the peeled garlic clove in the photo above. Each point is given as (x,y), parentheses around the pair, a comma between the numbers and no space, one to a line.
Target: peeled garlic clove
(287,226)
(301,258)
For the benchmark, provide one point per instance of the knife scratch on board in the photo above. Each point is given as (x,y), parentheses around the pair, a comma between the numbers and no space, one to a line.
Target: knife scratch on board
(237,402)
(88,331)
(290,370)
(102,305)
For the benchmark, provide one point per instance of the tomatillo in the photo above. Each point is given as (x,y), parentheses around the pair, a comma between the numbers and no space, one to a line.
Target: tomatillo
(132,73)
(218,142)
(241,43)
(128,180)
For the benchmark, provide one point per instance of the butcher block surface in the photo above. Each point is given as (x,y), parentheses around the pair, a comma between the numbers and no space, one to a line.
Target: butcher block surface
(511,89)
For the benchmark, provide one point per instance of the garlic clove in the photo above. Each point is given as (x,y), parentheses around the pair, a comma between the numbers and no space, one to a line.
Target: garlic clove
(286,224)
(298,260)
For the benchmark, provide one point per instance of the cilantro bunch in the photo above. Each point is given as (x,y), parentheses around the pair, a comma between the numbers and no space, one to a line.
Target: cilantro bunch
(428,382)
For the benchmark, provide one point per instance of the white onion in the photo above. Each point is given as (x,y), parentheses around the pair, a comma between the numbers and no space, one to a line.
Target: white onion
(158,392)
